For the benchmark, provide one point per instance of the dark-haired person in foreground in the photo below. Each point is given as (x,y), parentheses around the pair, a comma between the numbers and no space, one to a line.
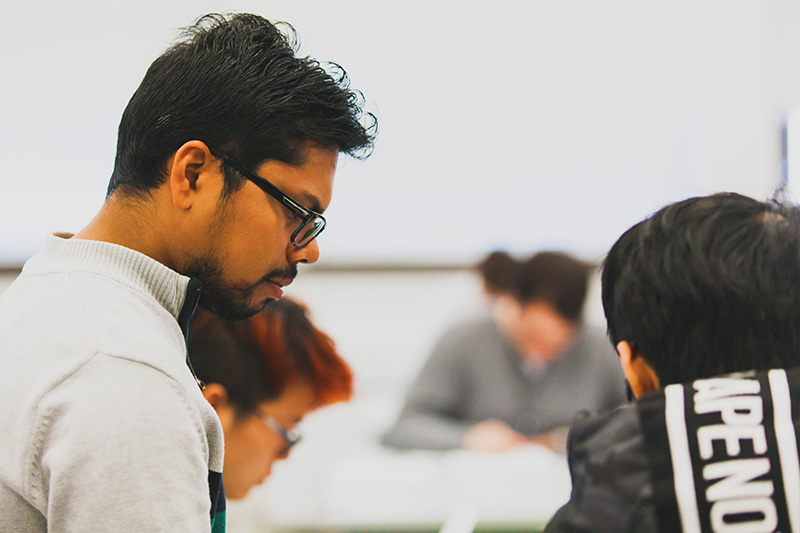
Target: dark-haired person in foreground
(262,376)
(519,376)
(703,304)
(225,159)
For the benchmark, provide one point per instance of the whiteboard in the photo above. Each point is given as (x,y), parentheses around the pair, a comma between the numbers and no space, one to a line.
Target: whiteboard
(506,124)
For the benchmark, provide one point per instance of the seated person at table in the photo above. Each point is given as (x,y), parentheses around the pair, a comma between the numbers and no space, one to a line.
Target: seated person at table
(492,384)
(703,304)
(262,375)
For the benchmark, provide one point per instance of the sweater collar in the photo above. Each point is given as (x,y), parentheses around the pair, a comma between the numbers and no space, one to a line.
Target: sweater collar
(125,265)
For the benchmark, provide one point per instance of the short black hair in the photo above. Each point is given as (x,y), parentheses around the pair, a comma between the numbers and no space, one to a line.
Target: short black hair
(708,286)
(557,279)
(235,83)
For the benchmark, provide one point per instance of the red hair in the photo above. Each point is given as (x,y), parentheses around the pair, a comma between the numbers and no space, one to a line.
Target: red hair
(255,359)
(295,348)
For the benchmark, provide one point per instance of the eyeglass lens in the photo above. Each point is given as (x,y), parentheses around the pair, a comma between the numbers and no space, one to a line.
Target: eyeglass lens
(308,230)
(289,437)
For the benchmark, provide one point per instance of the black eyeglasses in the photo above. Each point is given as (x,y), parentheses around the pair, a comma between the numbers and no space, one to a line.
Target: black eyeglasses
(311,222)
(290,438)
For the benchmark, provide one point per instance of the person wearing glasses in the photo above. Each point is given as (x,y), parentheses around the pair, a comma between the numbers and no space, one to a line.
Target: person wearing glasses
(262,376)
(225,160)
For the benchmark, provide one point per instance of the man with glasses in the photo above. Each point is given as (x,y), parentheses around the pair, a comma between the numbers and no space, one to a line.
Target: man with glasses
(225,159)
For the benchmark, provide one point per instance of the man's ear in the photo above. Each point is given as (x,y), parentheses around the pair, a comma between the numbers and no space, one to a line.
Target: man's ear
(640,375)
(185,168)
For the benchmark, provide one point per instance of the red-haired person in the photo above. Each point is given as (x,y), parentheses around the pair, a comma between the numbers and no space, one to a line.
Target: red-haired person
(262,376)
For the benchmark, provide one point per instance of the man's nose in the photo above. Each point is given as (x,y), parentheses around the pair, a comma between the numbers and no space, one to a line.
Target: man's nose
(307,254)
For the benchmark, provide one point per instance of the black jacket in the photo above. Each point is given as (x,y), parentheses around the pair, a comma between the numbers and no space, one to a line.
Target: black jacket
(718,454)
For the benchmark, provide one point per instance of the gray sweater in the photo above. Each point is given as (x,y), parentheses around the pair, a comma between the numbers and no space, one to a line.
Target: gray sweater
(474,374)
(103,425)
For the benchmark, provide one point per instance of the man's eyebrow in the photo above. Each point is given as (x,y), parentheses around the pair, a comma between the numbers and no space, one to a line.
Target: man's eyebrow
(310,201)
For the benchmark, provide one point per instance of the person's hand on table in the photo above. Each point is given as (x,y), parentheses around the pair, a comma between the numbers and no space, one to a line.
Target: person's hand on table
(491,436)
(555,440)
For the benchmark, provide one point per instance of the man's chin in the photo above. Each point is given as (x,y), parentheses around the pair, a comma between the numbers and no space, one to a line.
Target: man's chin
(230,309)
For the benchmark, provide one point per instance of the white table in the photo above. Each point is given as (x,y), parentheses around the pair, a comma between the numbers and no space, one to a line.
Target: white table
(377,489)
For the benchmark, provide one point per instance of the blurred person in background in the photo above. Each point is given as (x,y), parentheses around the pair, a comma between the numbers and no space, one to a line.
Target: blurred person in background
(262,376)
(518,376)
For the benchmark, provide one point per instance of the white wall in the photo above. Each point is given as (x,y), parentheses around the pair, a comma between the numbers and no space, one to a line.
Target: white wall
(526,125)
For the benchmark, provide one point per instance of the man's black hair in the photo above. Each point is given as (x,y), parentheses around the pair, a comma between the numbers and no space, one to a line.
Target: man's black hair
(708,286)
(235,83)
(557,279)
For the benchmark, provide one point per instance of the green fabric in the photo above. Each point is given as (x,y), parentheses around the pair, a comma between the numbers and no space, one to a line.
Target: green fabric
(218,523)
